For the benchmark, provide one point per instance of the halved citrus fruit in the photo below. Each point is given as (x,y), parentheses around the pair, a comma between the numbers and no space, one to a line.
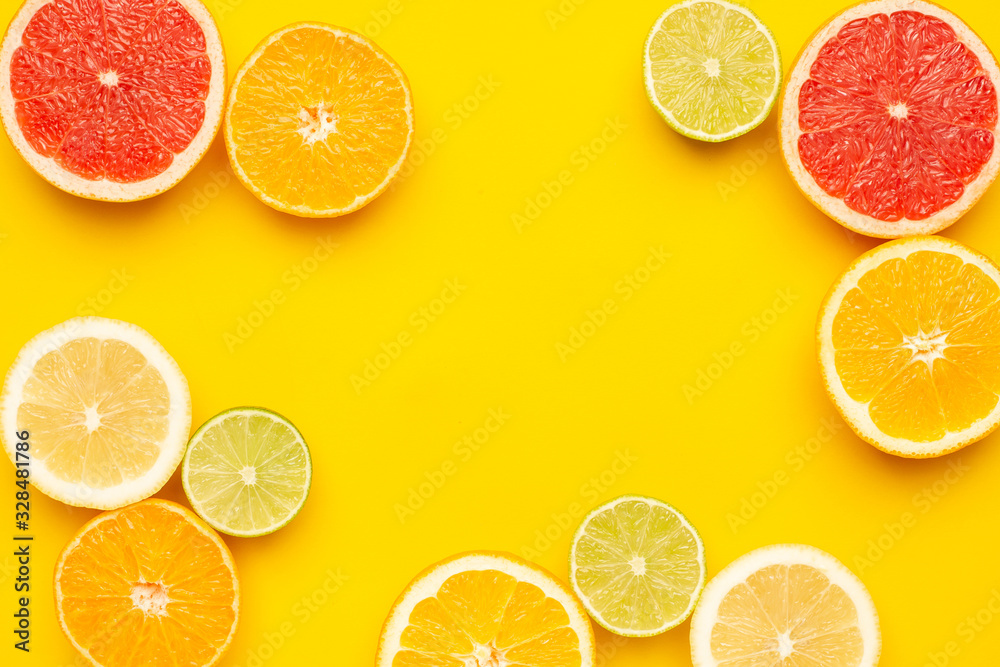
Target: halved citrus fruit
(149,585)
(889,118)
(787,605)
(909,346)
(712,69)
(247,472)
(638,565)
(486,608)
(319,120)
(106,409)
(115,100)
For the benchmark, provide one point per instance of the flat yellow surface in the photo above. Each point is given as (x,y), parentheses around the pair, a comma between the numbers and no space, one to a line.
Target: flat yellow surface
(259,308)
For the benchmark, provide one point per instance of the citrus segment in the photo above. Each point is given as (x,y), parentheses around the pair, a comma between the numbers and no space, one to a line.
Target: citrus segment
(113,99)
(486,609)
(909,338)
(106,409)
(319,120)
(890,117)
(148,585)
(638,566)
(712,69)
(247,472)
(787,605)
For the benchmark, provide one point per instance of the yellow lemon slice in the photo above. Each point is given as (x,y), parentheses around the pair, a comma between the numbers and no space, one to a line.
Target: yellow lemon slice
(104,409)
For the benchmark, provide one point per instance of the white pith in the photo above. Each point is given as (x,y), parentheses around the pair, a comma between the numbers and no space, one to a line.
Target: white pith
(926,347)
(105,190)
(638,566)
(790,132)
(316,131)
(113,516)
(179,417)
(668,116)
(248,474)
(706,615)
(428,583)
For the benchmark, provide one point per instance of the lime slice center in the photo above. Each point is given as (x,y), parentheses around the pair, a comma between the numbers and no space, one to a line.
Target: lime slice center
(249,475)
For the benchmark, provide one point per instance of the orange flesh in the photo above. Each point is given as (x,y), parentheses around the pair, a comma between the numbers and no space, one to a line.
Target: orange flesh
(146,587)
(488,615)
(319,120)
(918,342)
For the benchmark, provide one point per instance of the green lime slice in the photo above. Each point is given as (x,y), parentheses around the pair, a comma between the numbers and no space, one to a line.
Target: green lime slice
(247,472)
(638,566)
(712,69)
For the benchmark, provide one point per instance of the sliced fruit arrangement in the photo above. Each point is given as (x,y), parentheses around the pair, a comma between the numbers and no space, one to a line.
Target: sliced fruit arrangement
(909,346)
(788,605)
(712,69)
(107,410)
(247,472)
(889,119)
(638,565)
(486,608)
(112,100)
(149,584)
(319,120)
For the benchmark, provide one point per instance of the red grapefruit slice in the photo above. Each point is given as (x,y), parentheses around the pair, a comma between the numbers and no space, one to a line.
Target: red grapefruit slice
(114,100)
(889,120)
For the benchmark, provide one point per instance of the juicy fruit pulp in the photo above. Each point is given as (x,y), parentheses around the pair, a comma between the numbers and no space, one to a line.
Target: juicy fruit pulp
(711,69)
(486,610)
(918,342)
(247,472)
(111,89)
(97,412)
(500,616)
(148,585)
(898,116)
(638,566)
(319,121)
(788,615)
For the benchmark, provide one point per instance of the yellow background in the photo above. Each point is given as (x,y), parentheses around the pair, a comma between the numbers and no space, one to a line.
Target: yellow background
(198,258)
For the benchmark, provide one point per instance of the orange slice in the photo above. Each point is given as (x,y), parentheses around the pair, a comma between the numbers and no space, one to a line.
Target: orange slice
(909,346)
(149,585)
(106,409)
(319,120)
(486,609)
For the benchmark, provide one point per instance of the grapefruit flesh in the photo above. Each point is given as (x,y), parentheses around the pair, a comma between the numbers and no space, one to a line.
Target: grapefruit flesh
(896,119)
(115,91)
